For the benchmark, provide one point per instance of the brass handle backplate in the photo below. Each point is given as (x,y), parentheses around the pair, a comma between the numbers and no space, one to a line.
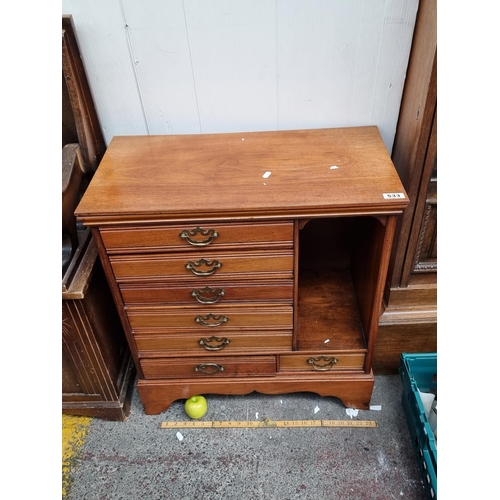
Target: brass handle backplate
(194,267)
(209,368)
(208,295)
(188,236)
(322,363)
(207,343)
(207,320)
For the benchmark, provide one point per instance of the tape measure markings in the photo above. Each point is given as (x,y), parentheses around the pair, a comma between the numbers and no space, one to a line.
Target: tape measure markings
(266,424)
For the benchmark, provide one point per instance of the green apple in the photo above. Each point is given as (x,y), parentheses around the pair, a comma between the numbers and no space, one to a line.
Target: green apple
(196,407)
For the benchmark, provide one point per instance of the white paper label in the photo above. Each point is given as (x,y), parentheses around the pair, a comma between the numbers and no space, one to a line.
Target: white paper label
(390,196)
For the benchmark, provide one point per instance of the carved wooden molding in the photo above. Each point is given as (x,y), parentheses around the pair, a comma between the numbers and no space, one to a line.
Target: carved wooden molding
(90,137)
(425,266)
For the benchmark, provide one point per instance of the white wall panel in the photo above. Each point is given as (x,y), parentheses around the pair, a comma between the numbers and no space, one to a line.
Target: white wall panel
(317,50)
(191,66)
(342,63)
(162,61)
(234,59)
(102,39)
(392,58)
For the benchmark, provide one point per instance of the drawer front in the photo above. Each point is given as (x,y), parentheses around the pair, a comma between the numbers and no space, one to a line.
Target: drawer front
(220,265)
(178,238)
(322,363)
(214,319)
(212,367)
(207,293)
(228,342)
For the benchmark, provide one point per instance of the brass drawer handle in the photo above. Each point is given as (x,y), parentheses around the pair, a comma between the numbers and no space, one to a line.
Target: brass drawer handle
(322,363)
(206,343)
(208,295)
(193,266)
(204,320)
(188,236)
(209,368)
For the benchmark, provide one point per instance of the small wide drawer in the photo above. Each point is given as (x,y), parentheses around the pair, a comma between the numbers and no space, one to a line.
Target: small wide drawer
(207,293)
(228,342)
(187,237)
(321,362)
(203,367)
(219,265)
(210,319)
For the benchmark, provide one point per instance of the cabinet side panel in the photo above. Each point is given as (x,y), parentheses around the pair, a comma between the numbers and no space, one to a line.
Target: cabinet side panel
(370,260)
(117,298)
(296,249)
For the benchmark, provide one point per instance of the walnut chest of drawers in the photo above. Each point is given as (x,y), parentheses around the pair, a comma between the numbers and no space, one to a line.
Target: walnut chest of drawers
(247,262)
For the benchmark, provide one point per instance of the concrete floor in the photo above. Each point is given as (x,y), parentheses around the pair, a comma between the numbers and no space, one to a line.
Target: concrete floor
(135,459)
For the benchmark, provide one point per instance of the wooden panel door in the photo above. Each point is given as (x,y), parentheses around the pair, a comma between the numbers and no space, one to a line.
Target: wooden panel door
(409,321)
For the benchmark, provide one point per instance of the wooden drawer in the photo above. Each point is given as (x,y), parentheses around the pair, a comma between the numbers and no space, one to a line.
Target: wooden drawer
(212,319)
(228,342)
(207,293)
(189,237)
(219,265)
(321,363)
(214,367)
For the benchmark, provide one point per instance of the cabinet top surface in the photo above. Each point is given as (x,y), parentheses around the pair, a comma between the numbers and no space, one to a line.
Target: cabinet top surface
(295,173)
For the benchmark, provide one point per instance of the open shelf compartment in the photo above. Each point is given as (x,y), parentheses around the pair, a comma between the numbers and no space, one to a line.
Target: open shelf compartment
(338,282)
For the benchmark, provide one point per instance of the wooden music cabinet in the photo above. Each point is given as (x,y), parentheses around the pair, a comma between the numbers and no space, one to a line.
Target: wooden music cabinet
(247,262)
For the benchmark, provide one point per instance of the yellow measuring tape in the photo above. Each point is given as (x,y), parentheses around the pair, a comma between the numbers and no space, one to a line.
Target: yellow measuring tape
(266,423)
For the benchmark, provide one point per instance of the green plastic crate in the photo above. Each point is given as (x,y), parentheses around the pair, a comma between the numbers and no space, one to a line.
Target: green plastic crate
(419,372)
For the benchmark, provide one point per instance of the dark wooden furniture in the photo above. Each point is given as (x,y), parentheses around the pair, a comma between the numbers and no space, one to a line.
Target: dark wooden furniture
(409,322)
(97,368)
(80,123)
(247,262)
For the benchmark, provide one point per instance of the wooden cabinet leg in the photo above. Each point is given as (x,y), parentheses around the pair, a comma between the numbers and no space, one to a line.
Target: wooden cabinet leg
(354,390)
